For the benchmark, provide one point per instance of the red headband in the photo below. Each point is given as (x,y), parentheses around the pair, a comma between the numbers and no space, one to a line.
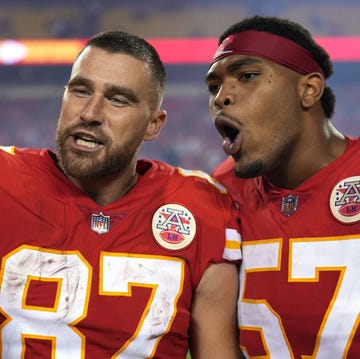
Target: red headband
(269,46)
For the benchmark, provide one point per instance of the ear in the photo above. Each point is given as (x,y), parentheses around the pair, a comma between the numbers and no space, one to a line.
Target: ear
(156,123)
(311,89)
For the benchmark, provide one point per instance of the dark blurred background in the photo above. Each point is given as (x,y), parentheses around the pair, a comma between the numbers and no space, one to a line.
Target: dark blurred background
(30,96)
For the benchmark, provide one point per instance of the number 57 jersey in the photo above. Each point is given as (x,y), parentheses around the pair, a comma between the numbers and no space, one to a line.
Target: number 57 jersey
(79,280)
(300,274)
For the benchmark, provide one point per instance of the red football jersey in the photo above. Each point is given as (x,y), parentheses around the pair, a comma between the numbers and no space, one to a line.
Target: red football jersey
(82,280)
(300,273)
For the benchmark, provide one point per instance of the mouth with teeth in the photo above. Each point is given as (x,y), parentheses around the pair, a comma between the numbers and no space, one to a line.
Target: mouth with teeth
(230,133)
(86,142)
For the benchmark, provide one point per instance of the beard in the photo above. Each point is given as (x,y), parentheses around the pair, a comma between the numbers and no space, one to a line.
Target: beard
(251,170)
(81,164)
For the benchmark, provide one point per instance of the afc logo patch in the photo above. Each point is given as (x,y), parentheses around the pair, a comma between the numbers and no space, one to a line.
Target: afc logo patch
(173,226)
(100,223)
(345,200)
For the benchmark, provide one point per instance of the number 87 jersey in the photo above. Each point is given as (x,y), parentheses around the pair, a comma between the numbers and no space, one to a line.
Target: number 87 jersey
(83,281)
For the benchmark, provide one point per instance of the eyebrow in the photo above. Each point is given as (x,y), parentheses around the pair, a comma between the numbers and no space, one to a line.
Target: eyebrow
(233,67)
(110,90)
(77,80)
(122,91)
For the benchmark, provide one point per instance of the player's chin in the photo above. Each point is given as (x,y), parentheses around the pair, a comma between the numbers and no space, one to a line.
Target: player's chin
(82,169)
(251,169)
(79,163)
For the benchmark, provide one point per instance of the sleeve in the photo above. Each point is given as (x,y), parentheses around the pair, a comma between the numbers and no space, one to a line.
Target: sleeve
(218,238)
(232,250)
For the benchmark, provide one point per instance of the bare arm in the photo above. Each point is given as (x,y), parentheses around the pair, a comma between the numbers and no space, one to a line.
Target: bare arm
(214,331)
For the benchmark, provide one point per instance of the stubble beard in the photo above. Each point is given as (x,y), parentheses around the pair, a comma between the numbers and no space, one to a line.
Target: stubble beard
(250,170)
(79,164)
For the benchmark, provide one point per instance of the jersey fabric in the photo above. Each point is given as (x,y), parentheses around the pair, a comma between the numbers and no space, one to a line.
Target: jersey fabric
(79,280)
(300,274)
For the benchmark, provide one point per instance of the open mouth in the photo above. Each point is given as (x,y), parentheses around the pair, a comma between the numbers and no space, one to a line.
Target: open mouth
(86,141)
(230,133)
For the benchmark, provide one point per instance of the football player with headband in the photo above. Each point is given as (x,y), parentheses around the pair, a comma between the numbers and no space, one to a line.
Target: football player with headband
(104,255)
(296,179)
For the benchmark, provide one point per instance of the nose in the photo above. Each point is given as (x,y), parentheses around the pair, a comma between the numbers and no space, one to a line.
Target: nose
(225,97)
(93,110)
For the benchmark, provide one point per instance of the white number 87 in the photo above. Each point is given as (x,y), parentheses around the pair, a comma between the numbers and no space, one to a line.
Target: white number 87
(119,272)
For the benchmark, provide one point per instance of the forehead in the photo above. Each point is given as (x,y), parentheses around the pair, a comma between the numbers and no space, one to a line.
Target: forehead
(233,63)
(100,65)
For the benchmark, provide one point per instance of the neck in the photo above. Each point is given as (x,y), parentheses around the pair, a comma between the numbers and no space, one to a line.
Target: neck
(312,153)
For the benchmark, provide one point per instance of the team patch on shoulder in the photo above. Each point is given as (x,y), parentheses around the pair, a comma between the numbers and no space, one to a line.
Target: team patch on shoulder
(173,226)
(345,200)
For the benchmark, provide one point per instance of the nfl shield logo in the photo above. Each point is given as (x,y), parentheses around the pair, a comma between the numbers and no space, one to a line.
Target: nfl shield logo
(289,204)
(100,223)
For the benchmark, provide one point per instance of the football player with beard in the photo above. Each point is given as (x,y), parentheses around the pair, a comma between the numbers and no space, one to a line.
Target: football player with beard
(105,255)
